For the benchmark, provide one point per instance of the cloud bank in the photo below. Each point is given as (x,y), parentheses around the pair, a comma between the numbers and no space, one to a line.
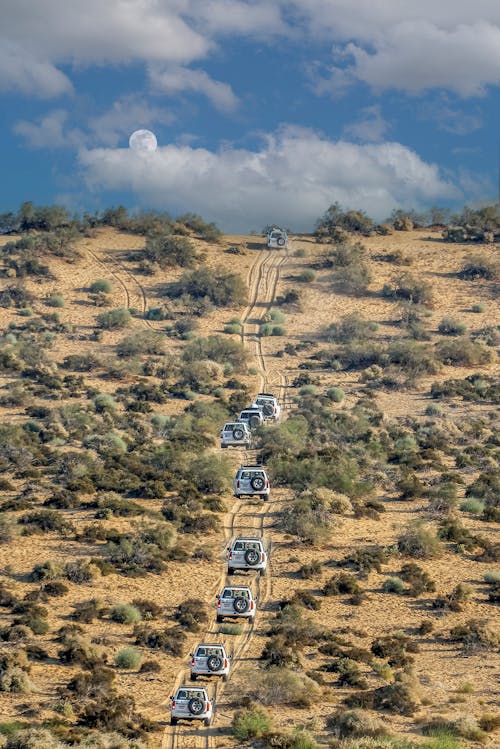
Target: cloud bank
(291,180)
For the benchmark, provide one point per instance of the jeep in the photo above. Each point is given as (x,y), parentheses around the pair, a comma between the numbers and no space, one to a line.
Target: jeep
(253,417)
(235,434)
(235,602)
(269,404)
(209,660)
(191,703)
(251,481)
(246,553)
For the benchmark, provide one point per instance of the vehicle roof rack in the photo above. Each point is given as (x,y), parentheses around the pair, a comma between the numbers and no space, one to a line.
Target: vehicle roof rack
(251,465)
(269,394)
(248,538)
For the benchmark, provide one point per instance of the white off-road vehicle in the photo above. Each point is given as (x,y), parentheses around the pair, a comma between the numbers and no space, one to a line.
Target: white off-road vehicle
(269,405)
(191,703)
(235,602)
(210,660)
(235,434)
(251,416)
(246,553)
(277,238)
(251,481)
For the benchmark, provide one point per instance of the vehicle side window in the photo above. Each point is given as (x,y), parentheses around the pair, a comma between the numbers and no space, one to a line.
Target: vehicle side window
(238,546)
(227,593)
(181,695)
(245,474)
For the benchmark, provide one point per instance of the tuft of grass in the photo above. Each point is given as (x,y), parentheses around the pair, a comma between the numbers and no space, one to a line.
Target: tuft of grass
(252,723)
(478,307)
(450,326)
(393,585)
(125,614)
(491,577)
(56,300)
(128,658)
(335,394)
(306,276)
(101,285)
(474,506)
(230,629)
(466,688)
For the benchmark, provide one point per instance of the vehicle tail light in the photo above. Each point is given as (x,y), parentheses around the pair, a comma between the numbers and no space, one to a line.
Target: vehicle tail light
(230,555)
(192,661)
(251,604)
(207,706)
(267,484)
(218,604)
(173,704)
(225,662)
(262,557)
(238,484)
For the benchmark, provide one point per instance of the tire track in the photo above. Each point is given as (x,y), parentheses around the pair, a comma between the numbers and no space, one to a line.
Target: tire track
(263,279)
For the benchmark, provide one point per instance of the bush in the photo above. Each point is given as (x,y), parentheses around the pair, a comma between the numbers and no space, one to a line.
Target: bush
(450,326)
(169,251)
(418,580)
(463,353)
(251,723)
(393,585)
(125,614)
(335,218)
(9,529)
(280,686)
(191,614)
(170,641)
(479,266)
(475,635)
(308,571)
(340,584)
(474,506)
(408,287)
(335,394)
(114,319)
(148,609)
(419,541)
(142,342)
(220,288)
(56,300)
(351,328)
(306,276)
(395,649)
(353,723)
(101,286)
(81,571)
(128,658)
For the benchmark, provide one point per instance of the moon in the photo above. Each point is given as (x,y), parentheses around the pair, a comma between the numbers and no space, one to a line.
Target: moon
(143,141)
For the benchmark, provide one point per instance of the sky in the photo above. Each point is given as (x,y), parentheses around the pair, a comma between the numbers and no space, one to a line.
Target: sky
(265,111)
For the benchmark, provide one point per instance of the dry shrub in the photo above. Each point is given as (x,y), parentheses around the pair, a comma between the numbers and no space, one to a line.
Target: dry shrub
(475,635)
(394,649)
(171,640)
(191,614)
(419,541)
(466,727)
(78,649)
(340,584)
(353,723)
(418,580)
(280,686)
(278,651)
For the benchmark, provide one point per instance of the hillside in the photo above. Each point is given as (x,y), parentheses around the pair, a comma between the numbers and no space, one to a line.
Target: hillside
(382,521)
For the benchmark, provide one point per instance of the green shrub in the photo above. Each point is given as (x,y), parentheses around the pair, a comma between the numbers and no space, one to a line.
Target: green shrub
(474,636)
(393,585)
(340,584)
(491,577)
(301,252)
(479,266)
(408,287)
(281,686)
(169,251)
(474,506)
(276,316)
(306,276)
(191,614)
(114,319)
(479,307)
(463,353)
(56,300)
(141,342)
(216,286)
(335,394)
(170,641)
(230,629)
(128,658)
(278,330)
(233,328)
(251,723)
(125,614)
(352,327)
(101,286)
(450,326)
(353,723)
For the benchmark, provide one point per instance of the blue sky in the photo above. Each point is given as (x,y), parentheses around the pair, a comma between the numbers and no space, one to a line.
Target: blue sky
(264,110)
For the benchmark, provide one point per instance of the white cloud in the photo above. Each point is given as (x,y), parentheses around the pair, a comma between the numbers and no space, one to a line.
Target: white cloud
(176,79)
(50,131)
(291,180)
(370,127)
(401,44)
(23,71)
(126,114)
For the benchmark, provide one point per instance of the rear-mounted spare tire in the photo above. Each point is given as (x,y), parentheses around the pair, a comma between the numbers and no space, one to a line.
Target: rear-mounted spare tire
(195,706)
(252,557)
(241,605)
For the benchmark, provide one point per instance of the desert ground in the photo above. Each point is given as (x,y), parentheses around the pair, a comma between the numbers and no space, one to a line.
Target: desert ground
(448,682)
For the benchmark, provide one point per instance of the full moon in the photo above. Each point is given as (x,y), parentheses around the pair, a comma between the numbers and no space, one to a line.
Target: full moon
(143,141)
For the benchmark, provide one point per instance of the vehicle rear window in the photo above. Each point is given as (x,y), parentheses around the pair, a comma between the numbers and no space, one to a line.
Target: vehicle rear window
(209,651)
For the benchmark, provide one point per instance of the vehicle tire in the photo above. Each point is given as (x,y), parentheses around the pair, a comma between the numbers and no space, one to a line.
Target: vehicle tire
(193,677)
(219,619)
(262,572)
(214,663)
(238,433)
(240,604)
(257,483)
(238,496)
(268,410)
(195,706)
(265,497)
(173,721)
(280,242)
(223,447)
(253,422)
(230,571)
(207,722)
(252,557)
(225,677)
